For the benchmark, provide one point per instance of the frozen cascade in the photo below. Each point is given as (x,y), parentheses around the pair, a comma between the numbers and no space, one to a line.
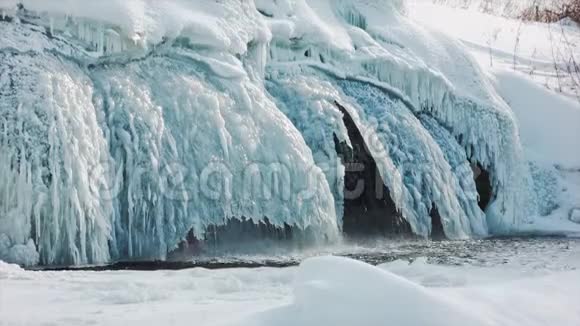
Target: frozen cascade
(149,148)
(308,102)
(128,125)
(50,144)
(465,186)
(423,169)
(427,179)
(428,72)
(227,147)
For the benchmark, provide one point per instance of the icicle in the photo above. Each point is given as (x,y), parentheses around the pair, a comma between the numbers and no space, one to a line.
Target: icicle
(101,31)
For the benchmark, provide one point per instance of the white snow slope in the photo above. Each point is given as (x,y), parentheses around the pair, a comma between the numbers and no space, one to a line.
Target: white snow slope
(528,63)
(322,291)
(125,124)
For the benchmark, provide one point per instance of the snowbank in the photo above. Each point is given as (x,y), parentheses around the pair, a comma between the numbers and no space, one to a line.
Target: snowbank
(342,292)
(541,290)
(549,123)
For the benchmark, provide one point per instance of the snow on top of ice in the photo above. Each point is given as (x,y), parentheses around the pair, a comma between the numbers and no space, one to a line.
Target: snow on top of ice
(376,35)
(228,25)
(313,21)
(363,30)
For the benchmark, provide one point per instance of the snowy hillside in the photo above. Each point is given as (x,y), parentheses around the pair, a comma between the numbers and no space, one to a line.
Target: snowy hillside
(508,8)
(129,126)
(529,64)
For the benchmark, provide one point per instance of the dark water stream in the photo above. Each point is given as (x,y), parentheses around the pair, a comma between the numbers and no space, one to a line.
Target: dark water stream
(534,252)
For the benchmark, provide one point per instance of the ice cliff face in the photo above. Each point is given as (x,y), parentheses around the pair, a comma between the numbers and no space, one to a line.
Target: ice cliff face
(126,125)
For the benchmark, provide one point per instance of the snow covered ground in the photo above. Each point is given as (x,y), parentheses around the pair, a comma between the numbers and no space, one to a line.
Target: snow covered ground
(537,287)
(534,49)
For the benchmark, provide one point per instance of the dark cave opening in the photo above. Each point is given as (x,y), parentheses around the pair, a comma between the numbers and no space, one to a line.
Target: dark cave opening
(483,185)
(437,230)
(368,207)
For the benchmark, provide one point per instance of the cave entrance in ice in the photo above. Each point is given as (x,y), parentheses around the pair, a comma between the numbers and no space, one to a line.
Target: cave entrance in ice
(437,231)
(368,207)
(483,185)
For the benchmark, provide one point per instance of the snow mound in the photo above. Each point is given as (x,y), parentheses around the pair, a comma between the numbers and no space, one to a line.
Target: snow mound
(8,271)
(541,109)
(343,292)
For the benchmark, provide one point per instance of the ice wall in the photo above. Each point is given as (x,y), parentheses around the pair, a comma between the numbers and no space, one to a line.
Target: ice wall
(421,173)
(196,151)
(428,72)
(309,103)
(121,156)
(50,144)
(126,124)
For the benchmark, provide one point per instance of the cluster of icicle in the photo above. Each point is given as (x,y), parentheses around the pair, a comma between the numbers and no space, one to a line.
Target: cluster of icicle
(121,131)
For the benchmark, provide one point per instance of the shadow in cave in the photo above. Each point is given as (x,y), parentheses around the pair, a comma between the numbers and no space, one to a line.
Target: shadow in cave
(242,236)
(368,207)
(437,231)
(483,185)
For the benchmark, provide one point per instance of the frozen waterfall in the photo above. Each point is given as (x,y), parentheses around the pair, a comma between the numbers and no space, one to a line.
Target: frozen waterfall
(127,128)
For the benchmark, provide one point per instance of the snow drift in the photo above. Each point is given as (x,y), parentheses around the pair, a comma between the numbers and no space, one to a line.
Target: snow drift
(378,296)
(124,126)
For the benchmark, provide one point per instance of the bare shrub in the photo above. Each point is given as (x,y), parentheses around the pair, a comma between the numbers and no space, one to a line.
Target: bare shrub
(557,11)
